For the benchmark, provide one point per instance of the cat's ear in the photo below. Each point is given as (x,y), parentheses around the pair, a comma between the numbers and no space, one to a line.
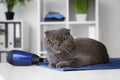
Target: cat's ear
(67,31)
(47,33)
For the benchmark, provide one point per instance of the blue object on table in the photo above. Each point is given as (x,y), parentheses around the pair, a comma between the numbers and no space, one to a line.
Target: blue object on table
(22,58)
(114,63)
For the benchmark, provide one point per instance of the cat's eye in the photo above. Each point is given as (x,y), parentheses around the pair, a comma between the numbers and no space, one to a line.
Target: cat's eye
(52,40)
(64,39)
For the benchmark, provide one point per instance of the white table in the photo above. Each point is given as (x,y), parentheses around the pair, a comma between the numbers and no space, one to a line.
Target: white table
(9,72)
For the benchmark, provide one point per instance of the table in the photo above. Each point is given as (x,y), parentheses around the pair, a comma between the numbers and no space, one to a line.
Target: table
(9,72)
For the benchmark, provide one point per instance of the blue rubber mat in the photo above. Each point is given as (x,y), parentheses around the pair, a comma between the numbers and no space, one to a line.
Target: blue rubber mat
(114,63)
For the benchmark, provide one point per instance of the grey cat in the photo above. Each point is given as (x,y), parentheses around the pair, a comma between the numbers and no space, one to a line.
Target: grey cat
(64,51)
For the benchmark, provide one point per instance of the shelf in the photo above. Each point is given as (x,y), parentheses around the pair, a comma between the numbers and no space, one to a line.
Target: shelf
(82,22)
(83,30)
(71,22)
(53,6)
(88,28)
(51,23)
(91,14)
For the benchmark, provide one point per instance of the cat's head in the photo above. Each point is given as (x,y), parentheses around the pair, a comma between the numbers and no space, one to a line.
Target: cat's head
(58,41)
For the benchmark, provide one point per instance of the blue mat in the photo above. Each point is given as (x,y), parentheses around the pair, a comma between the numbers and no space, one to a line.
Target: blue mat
(114,63)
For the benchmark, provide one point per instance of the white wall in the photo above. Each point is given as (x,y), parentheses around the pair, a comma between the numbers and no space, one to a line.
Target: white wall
(109,14)
(29,14)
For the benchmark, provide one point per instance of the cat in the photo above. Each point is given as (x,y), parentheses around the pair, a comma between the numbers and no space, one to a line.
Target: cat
(64,51)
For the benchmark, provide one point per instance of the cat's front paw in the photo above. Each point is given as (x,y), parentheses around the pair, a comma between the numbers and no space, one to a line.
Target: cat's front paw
(62,64)
(52,65)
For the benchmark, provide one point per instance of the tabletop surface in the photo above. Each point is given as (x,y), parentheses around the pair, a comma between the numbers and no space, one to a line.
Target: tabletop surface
(9,72)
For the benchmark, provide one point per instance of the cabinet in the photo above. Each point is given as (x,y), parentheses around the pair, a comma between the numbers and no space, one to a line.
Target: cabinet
(88,28)
(16,35)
